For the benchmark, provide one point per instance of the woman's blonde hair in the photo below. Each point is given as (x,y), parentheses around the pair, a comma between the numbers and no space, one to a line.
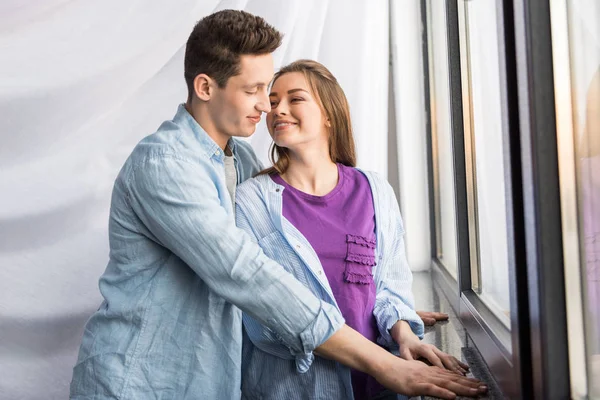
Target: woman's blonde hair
(334,105)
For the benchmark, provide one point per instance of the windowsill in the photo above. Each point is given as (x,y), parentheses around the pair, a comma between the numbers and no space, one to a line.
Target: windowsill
(451,336)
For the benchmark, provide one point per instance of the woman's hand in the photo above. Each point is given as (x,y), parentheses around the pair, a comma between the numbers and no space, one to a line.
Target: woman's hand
(411,348)
(414,378)
(430,318)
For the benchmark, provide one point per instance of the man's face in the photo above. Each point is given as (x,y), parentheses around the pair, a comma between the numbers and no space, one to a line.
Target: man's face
(237,108)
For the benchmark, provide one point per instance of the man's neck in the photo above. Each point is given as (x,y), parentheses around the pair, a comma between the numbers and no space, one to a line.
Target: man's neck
(206,124)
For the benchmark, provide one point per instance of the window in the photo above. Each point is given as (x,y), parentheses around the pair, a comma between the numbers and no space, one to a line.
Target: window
(492,110)
(441,128)
(576,49)
(484,152)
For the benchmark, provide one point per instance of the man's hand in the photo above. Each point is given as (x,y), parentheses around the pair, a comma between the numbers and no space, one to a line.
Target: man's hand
(430,318)
(411,348)
(414,378)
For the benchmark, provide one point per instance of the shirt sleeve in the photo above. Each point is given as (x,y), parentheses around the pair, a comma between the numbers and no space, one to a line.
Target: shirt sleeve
(260,336)
(178,202)
(395,300)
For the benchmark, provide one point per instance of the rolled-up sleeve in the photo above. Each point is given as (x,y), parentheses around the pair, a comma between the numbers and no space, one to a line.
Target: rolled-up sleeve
(178,203)
(262,337)
(395,301)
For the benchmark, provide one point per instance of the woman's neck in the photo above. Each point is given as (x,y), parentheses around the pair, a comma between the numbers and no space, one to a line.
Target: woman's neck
(313,173)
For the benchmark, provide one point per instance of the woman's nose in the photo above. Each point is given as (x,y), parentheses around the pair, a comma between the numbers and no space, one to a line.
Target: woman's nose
(279,109)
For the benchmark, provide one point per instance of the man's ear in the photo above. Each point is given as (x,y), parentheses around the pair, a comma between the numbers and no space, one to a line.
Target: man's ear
(203,87)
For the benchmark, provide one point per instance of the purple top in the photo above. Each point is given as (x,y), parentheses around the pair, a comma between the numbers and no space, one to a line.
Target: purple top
(340,226)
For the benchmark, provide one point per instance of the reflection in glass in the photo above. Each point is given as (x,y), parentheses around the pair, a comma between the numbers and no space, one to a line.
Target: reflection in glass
(588,149)
(442,137)
(576,49)
(584,43)
(485,156)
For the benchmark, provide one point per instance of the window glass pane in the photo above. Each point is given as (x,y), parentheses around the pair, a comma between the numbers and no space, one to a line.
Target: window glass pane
(442,137)
(584,43)
(485,158)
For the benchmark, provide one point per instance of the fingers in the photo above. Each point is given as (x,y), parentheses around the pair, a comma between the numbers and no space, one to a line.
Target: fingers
(429,389)
(419,380)
(429,318)
(461,388)
(429,354)
(456,367)
(446,385)
(440,316)
(451,363)
(464,368)
(442,360)
(448,378)
(406,354)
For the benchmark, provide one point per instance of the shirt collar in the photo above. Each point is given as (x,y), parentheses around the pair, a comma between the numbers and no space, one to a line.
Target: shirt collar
(211,149)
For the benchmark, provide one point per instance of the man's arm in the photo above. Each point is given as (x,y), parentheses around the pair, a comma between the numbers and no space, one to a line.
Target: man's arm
(178,203)
(412,378)
(350,348)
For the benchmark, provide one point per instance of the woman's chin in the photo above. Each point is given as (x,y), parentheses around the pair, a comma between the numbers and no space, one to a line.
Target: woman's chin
(282,143)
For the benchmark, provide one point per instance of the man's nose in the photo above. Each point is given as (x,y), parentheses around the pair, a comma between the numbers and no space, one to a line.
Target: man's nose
(264,105)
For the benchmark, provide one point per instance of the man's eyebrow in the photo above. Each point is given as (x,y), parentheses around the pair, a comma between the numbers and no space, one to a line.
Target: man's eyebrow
(254,85)
(290,91)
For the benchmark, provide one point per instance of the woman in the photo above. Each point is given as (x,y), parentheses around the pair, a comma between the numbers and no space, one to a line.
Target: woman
(338,230)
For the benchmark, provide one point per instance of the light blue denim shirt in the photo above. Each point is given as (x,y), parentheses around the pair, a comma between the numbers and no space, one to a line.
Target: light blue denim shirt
(271,369)
(169,327)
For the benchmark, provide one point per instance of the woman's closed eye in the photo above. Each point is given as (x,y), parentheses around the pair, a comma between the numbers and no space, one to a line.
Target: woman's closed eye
(275,103)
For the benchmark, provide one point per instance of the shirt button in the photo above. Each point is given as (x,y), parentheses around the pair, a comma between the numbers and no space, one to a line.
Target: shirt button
(277,190)
(320,272)
(217,153)
(297,246)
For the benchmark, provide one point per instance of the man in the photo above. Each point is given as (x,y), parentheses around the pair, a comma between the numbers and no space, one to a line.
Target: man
(180,270)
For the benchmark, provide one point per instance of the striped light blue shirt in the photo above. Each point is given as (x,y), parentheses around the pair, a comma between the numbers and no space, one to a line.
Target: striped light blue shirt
(170,326)
(272,370)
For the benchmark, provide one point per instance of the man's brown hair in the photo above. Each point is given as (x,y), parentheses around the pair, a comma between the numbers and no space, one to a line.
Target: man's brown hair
(218,40)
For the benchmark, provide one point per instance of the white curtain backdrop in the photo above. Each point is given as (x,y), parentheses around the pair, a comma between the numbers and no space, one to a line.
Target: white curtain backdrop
(408,73)
(80,84)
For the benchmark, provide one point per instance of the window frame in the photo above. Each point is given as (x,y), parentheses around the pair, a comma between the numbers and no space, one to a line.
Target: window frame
(574,267)
(531,359)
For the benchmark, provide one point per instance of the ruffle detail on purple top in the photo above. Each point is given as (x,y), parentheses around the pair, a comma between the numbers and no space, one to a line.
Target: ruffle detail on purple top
(359,272)
(363,259)
(363,279)
(361,240)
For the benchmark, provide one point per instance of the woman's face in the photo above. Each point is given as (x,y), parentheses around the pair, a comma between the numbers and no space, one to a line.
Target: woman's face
(296,120)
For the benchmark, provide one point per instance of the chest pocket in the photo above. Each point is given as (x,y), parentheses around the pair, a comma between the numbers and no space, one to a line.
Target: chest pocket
(360,259)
